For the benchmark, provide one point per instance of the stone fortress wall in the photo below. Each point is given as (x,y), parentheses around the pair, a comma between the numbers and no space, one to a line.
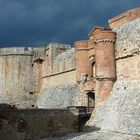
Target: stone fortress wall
(121,111)
(18,82)
(101,72)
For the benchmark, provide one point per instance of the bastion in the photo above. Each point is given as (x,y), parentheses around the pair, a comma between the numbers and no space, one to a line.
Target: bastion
(95,83)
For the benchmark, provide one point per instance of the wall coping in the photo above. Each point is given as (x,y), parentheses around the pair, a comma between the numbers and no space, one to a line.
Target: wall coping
(124,18)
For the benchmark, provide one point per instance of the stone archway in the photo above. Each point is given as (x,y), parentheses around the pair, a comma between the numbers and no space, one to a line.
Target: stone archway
(91,100)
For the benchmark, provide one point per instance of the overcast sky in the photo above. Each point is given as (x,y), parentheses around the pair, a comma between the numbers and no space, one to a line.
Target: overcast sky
(37,22)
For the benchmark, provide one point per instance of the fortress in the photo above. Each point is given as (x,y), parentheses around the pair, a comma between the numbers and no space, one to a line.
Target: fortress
(100,74)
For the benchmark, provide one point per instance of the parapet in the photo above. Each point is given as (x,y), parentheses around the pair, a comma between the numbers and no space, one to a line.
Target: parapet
(94,31)
(59,58)
(81,45)
(99,33)
(64,62)
(59,45)
(57,48)
(39,54)
(16,51)
(124,18)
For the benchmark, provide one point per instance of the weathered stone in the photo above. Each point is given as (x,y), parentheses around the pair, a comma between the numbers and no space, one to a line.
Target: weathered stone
(17,77)
(124,18)
(104,135)
(121,111)
(59,96)
(90,75)
(128,39)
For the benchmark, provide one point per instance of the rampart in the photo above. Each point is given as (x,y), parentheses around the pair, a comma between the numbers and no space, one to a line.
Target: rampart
(100,74)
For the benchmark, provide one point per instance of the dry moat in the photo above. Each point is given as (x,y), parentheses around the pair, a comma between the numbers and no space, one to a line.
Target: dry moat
(30,124)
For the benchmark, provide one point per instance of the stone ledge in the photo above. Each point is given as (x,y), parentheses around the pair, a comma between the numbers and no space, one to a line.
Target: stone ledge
(16,51)
(124,18)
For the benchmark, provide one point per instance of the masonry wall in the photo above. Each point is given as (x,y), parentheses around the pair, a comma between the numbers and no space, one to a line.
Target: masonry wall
(36,124)
(31,77)
(52,63)
(59,88)
(64,62)
(121,110)
(17,79)
(25,87)
(58,76)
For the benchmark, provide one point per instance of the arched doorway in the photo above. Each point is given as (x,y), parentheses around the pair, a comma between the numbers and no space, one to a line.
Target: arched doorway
(91,100)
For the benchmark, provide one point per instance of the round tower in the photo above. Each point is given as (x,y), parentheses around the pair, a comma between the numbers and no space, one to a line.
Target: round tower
(105,70)
(83,65)
(105,54)
(18,81)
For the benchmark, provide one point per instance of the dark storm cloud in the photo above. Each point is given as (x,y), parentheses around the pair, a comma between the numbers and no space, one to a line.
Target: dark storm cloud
(33,22)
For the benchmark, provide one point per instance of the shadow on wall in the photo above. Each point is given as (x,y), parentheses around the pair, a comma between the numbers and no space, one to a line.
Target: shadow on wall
(27,124)
(7,106)
(91,99)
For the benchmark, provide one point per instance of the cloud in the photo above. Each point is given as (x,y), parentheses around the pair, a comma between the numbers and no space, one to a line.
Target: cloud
(28,22)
